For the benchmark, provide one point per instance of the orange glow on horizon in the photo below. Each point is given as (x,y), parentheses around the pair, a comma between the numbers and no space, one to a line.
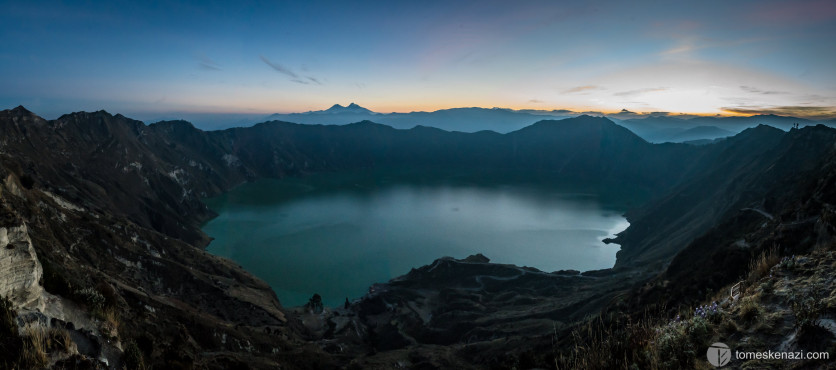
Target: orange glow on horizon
(398,108)
(387,109)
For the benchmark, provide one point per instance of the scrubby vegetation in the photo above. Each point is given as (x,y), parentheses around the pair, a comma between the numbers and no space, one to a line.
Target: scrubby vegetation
(133,357)
(781,308)
(31,347)
(760,266)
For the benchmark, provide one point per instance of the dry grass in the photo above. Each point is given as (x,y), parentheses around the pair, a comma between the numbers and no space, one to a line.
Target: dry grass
(34,354)
(651,343)
(60,340)
(39,342)
(110,320)
(609,346)
(757,317)
(760,266)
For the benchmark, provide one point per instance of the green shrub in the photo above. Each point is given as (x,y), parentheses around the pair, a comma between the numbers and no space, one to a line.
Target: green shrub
(699,331)
(768,286)
(749,309)
(91,297)
(133,356)
(672,346)
(808,307)
(788,263)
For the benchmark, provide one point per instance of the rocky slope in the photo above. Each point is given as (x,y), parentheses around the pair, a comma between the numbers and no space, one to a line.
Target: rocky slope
(115,265)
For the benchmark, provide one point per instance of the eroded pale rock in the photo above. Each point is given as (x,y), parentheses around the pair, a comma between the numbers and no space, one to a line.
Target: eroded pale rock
(20,270)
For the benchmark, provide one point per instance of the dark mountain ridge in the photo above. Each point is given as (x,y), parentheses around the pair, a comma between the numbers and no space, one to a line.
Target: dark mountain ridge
(454,119)
(658,129)
(653,128)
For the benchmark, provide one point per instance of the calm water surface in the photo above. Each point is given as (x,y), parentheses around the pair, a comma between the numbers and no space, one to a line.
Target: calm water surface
(336,238)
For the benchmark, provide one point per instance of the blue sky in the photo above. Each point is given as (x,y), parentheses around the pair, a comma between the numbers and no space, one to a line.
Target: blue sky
(151,58)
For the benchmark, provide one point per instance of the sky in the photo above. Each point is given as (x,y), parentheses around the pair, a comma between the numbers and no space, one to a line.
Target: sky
(150,58)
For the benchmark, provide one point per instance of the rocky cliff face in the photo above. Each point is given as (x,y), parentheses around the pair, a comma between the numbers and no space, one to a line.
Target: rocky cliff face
(106,218)
(20,270)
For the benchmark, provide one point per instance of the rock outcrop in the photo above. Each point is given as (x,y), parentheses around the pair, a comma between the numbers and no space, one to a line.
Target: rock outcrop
(20,270)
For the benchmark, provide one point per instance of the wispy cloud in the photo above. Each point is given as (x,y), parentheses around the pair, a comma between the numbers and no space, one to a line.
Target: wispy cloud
(207,64)
(756,90)
(209,67)
(280,68)
(679,49)
(801,111)
(293,76)
(689,47)
(580,89)
(536,101)
(640,91)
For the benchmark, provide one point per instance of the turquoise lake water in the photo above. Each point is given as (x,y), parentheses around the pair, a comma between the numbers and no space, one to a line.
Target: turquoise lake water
(336,235)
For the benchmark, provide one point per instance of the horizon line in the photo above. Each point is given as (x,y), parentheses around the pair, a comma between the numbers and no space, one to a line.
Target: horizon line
(568,112)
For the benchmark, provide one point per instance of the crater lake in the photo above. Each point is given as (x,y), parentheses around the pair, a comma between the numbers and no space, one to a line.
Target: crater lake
(336,234)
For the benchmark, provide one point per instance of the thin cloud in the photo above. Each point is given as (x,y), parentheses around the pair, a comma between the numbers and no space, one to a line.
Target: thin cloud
(687,47)
(280,68)
(209,67)
(207,64)
(680,49)
(800,111)
(579,89)
(640,91)
(536,101)
(815,98)
(294,77)
(756,90)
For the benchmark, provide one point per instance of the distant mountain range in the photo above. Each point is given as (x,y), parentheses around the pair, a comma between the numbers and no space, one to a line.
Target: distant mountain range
(654,129)
(671,129)
(456,119)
